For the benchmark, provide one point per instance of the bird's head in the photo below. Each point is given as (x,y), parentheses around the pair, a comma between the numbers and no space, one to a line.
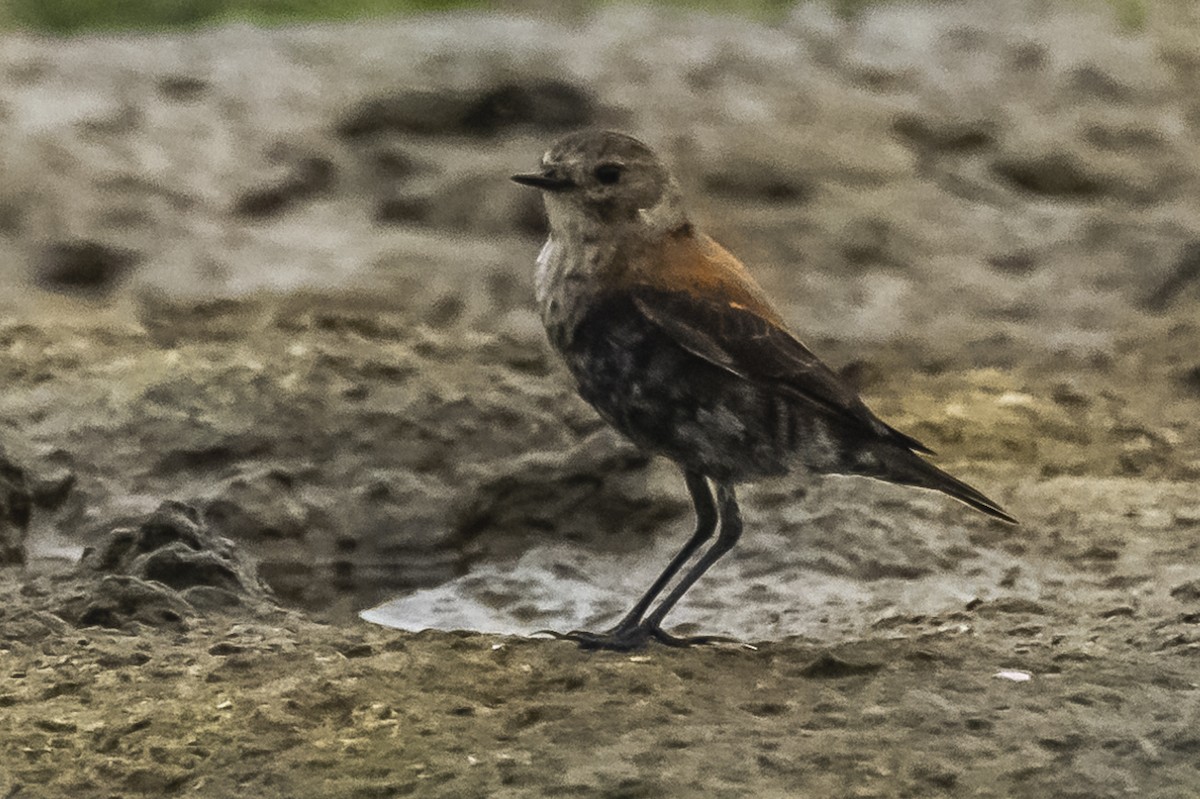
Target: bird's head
(600,178)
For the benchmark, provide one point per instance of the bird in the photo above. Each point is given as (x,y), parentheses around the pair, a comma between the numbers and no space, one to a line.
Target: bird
(672,341)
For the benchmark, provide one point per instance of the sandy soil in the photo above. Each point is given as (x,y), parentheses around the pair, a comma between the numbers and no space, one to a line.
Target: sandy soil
(277,280)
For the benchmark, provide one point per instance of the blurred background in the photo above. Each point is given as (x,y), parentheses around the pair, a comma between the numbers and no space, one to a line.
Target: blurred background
(947,151)
(265,258)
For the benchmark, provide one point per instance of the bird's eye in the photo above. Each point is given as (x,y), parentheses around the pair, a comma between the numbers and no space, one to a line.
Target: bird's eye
(608,174)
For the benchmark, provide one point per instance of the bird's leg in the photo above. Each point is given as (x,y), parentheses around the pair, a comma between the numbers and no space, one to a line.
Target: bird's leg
(731,531)
(706,525)
(629,633)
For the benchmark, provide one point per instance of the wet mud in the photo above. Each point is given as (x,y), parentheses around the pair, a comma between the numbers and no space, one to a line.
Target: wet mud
(269,361)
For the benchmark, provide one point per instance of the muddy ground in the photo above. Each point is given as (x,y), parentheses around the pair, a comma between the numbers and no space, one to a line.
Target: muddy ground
(269,360)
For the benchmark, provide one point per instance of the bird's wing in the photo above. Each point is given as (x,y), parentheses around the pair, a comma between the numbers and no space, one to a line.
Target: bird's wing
(754,346)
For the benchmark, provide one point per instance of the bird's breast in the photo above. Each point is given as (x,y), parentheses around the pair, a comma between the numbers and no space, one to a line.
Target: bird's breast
(566,283)
(543,275)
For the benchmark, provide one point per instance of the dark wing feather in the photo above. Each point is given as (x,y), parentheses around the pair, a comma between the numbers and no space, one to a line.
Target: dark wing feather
(746,344)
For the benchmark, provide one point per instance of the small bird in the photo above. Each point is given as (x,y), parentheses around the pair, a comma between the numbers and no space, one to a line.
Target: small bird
(675,345)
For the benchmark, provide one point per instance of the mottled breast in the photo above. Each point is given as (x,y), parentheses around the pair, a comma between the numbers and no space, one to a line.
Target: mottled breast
(669,401)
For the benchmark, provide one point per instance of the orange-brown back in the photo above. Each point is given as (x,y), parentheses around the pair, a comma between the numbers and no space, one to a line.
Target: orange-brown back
(694,263)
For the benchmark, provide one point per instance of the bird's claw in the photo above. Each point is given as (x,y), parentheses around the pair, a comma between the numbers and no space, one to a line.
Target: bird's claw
(633,637)
(682,642)
(618,639)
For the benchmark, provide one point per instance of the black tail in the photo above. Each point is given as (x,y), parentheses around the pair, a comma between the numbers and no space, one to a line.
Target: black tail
(915,471)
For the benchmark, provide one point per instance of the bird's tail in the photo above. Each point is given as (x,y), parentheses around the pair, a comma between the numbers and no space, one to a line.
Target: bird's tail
(914,470)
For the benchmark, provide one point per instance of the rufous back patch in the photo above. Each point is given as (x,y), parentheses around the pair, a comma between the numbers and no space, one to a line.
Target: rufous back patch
(702,267)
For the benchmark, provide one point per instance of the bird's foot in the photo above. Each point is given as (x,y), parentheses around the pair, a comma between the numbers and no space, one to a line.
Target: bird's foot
(627,638)
(682,642)
(618,639)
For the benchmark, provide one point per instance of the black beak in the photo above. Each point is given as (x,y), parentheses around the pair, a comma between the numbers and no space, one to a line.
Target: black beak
(544,181)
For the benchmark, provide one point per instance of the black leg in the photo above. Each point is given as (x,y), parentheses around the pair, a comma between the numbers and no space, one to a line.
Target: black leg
(731,531)
(629,633)
(706,525)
